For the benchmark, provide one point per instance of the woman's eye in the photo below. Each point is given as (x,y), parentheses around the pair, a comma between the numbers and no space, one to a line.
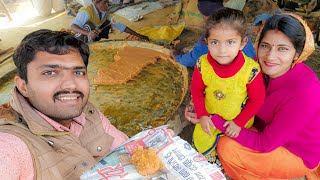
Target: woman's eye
(263,46)
(283,49)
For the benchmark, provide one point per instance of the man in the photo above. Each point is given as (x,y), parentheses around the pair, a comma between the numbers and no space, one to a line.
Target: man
(50,130)
(93,22)
(206,7)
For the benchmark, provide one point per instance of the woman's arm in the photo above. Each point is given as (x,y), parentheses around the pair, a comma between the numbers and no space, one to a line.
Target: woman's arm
(291,116)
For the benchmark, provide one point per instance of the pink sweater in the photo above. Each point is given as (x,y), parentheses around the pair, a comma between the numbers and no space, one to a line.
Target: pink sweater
(15,157)
(290,117)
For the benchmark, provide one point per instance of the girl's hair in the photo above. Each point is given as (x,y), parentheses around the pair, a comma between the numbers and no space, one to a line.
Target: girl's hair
(227,16)
(289,26)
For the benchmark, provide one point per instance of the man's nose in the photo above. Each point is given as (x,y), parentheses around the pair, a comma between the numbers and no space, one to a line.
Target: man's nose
(68,81)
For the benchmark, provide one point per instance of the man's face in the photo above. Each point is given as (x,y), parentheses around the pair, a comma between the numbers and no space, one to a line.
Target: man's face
(103,5)
(58,85)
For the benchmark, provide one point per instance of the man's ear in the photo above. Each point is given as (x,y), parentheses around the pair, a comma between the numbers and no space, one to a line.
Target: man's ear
(243,42)
(21,85)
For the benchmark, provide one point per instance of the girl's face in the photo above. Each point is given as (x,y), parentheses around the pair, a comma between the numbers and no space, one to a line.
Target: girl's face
(224,43)
(276,53)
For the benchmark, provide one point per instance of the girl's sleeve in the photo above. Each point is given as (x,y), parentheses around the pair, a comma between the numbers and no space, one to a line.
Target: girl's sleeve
(197,93)
(256,95)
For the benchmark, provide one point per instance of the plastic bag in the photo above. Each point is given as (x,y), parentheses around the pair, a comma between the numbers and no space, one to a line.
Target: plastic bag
(162,33)
(180,160)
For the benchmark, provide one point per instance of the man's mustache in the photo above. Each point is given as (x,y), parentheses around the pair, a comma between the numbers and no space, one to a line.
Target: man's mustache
(67,92)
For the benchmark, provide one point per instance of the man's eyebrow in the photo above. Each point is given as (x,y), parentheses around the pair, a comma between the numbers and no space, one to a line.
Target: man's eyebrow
(57,66)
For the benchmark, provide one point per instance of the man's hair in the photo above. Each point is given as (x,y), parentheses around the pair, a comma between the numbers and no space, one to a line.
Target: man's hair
(53,42)
(97,1)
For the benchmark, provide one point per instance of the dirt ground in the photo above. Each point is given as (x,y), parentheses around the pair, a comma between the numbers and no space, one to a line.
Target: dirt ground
(11,37)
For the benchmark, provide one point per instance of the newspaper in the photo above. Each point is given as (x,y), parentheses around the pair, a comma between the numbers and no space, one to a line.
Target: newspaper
(180,160)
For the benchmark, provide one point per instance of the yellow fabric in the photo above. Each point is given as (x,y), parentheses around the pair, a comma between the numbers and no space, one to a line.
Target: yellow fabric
(187,11)
(308,45)
(93,16)
(234,88)
(235,95)
(190,14)
(168,33)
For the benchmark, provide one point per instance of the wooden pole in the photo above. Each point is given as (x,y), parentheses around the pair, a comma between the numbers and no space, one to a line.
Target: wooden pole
(6,50)
(2,60)
(4,8)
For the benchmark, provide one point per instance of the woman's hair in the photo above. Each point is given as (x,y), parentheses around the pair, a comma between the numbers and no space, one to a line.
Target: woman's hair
(53,42)
(289,26)
(227,16)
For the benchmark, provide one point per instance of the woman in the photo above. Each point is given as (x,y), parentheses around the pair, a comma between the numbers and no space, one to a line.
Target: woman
(287,140)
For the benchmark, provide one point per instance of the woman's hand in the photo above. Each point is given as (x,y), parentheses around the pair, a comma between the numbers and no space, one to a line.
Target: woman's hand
(232,130)
(190,113)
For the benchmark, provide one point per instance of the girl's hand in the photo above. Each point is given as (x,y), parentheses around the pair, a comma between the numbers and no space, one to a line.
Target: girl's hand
(232,130)
(206,123)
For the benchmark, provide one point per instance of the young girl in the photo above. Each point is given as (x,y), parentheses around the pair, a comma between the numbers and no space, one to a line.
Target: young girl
(225,81)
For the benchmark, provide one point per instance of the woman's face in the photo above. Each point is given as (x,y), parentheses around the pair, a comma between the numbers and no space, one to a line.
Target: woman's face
(276,53)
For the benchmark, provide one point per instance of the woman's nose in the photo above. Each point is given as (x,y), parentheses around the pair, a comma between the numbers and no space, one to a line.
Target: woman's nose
(271,54)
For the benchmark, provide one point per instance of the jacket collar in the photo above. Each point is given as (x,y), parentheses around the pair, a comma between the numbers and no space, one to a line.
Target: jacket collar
(34,121)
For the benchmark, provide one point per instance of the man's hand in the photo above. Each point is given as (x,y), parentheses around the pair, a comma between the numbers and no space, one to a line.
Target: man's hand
(206,123)
(143,37)
(232,130)
(93,34)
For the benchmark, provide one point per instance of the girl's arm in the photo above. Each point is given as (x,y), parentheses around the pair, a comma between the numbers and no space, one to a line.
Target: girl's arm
(197,92)
(256,95)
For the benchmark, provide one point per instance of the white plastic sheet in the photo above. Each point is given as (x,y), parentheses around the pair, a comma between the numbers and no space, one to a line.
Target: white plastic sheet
(84,2)
(181,161)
